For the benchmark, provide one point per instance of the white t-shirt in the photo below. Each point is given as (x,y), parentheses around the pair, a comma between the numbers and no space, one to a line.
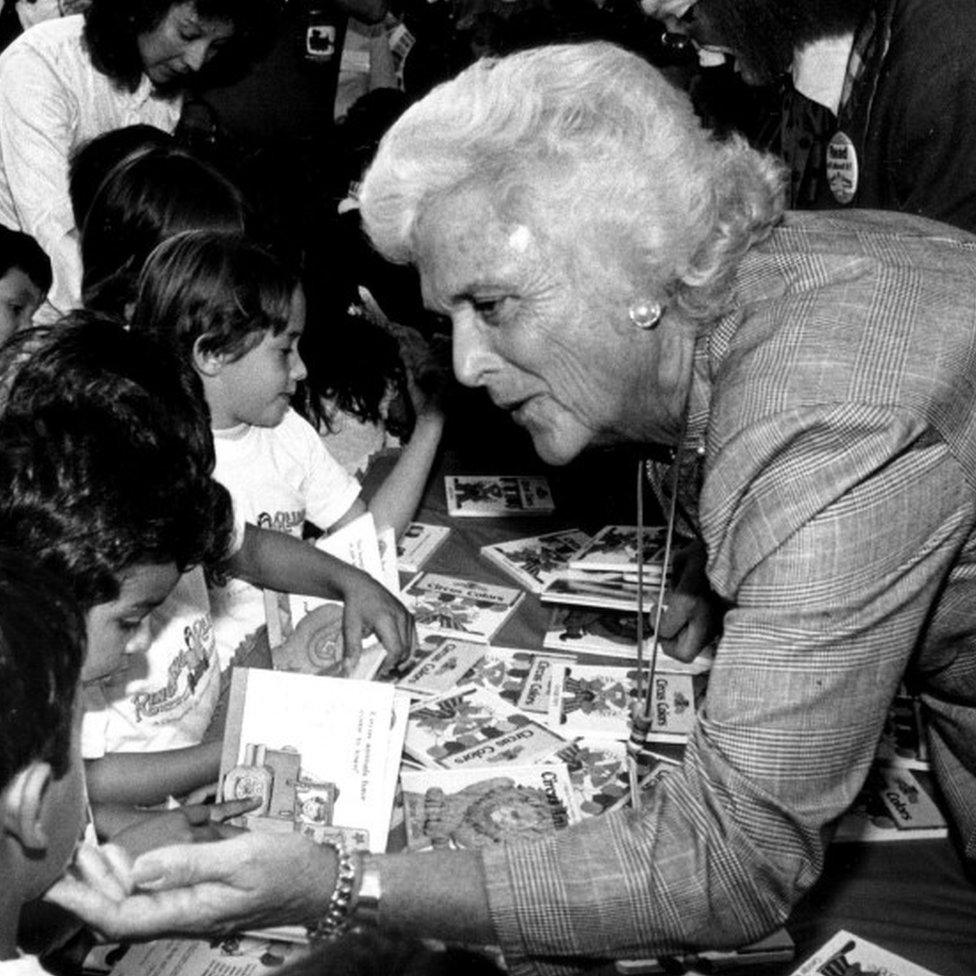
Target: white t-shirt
(167,696)
(278,477)
(52,99)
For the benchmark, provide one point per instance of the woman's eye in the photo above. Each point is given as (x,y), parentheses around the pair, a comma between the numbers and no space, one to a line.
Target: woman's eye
(488,309)
(129,625)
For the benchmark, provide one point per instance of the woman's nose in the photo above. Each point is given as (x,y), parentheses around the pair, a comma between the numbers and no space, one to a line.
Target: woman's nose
(472,354)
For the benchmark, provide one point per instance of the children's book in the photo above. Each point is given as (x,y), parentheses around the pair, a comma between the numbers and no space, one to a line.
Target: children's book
(610,633)
(614,549)
(418,543)
(235,955)
(903,740)
(321,753)
(441,665)
(608,593)
(537,559)
(469,808)
(511,673)
(305,632)
(848,955)
(457,607)
(494,496)
(598,771)
(894,804)
(598,699)
(476,727)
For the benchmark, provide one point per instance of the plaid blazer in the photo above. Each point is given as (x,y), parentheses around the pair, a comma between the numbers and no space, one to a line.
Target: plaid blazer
(835,409)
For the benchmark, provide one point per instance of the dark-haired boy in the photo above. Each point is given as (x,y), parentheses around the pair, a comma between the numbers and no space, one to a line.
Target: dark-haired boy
(25,278)
(42,796)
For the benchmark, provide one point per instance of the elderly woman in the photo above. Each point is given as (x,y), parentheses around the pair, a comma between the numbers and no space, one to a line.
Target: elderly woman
(68,80)
(613,274)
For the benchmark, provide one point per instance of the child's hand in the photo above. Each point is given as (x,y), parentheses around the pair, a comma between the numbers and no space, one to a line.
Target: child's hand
(190,824)
(427,363)
(371,608)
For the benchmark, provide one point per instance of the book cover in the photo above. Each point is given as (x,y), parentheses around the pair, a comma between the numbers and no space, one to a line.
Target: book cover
(614,549)
(903,740)
(320,752)
(459,664)
(894,804)
(846,954)
(598,772)
(607,594)
(536,559)
(457,607)
(305,632)
(598,699)
(418,543)
(235,955)
(493,496)
(467,808)
(611,633)
(441,665)
(476,727)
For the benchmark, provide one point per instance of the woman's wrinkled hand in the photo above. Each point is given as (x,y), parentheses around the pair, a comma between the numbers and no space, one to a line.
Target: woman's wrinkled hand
(248,881)
(693,618)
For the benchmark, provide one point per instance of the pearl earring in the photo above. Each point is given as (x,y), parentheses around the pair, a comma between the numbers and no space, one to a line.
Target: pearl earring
(645,315)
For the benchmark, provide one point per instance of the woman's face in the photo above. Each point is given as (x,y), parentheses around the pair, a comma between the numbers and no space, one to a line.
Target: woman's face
(533,323)
(180,44)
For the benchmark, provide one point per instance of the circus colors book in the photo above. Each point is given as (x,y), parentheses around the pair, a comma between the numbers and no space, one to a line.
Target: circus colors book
(417,544)
(495,496)
(465,808)
(462,608)
(321,753)
(535,560)
(476,727)
(848,955)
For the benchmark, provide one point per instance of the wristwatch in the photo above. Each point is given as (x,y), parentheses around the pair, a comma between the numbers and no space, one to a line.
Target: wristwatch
(366,903)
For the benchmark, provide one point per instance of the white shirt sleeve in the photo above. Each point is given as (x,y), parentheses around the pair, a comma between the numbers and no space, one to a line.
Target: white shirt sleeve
(36,117)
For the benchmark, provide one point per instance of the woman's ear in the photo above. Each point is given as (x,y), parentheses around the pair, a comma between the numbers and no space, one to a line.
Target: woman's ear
(23,804)
(206,362)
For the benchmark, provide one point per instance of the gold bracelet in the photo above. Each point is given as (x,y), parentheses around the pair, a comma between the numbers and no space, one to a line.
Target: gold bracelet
(336,917)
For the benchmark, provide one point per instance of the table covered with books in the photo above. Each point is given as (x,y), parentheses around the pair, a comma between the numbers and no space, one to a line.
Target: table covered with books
(512,716)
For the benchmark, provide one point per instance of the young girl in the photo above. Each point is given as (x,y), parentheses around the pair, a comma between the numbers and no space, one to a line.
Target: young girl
(236,314)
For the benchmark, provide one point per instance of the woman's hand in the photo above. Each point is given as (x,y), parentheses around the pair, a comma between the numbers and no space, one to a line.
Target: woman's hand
(693,618)
(251,880)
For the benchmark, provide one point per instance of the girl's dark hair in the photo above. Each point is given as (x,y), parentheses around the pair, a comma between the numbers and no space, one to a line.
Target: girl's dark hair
(93,160)
(42,647)
(143,201)
(213,290)
(112,28)
(106,458)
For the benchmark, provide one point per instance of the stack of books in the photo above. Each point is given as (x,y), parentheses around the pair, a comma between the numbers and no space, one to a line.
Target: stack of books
(604,572)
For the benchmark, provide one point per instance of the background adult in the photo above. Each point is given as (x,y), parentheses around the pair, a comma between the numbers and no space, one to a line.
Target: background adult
(70,79)
(612,274)
(869,101)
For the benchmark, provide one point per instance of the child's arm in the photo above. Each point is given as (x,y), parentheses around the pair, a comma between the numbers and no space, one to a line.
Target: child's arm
(147,778)
(281,562)
(397,499)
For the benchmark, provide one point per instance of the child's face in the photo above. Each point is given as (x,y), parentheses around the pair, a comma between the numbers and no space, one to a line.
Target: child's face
(19,300)
(257,388)
(64,815)
(120,627)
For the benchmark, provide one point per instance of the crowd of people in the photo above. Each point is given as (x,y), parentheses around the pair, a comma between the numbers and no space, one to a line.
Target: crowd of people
(779,293)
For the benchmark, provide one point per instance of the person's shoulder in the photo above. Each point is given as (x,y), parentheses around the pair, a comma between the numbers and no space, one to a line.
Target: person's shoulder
(294,427)
(50,41)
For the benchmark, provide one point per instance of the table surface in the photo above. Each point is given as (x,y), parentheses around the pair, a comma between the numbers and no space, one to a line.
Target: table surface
(914,898)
